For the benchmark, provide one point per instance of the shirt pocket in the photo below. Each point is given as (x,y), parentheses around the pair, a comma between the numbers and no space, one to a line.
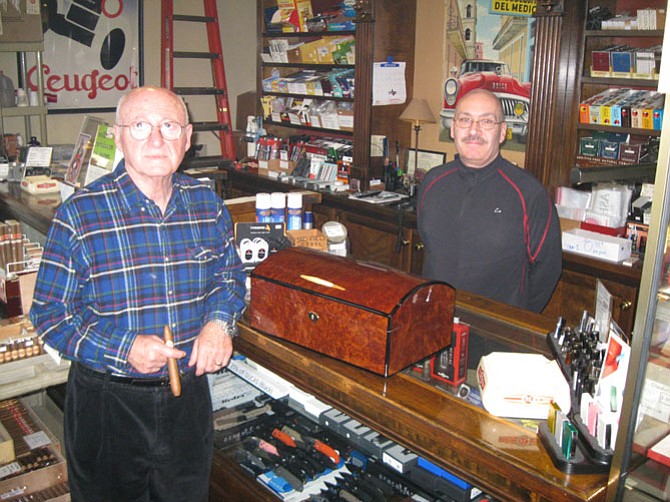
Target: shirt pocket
(202,267)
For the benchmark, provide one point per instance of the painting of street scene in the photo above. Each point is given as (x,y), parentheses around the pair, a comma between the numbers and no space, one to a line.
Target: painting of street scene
(489,44)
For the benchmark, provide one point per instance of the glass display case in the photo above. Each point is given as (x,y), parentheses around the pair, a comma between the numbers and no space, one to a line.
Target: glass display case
(641,464)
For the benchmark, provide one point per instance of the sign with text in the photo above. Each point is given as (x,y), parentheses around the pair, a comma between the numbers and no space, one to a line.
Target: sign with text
(513,7)
(92,53)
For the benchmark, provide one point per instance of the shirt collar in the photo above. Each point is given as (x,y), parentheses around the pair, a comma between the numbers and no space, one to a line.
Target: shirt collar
(476,173)
(133,197)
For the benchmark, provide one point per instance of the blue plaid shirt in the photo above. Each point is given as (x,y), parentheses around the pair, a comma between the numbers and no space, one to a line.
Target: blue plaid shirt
(115,267)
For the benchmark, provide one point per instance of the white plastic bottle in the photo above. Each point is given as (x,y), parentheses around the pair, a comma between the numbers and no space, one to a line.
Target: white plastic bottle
(263,208)
(278,204)
(294,211)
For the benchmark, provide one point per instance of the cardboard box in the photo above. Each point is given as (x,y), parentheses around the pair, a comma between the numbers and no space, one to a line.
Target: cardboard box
(521,385)
(345,120)
(568,224)
(242,209)
(275,168)
(604,247)
(308,238)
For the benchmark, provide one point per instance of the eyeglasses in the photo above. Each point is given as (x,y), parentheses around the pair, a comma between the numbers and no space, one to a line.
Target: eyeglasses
(141,130)
(466,121)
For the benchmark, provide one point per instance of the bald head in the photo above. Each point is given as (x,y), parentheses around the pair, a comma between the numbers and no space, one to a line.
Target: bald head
(481,95)
(150,93)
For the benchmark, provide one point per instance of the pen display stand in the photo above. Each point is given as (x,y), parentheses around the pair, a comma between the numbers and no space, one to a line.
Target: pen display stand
(588,456)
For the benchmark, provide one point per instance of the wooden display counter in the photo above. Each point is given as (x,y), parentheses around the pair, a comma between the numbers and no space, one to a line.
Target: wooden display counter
(387,235)
(500,457)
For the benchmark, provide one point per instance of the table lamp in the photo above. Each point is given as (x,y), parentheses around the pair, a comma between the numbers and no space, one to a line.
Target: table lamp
(417,112)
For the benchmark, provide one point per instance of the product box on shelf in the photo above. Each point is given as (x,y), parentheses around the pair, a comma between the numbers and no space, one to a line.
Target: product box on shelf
(601,62)
(589,146)
(275,167)
(345,119)
(609,149)
(633,151)
(365,314)
(597,245)
(308,238)
(257,240)
(622,62)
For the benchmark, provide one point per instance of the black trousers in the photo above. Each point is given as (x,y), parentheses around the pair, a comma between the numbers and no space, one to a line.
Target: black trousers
(127,443)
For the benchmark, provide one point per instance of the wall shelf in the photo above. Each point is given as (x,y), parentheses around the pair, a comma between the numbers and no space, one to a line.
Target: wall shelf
(22,49)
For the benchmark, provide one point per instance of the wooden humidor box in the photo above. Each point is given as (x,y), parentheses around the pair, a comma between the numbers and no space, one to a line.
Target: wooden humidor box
(365,314)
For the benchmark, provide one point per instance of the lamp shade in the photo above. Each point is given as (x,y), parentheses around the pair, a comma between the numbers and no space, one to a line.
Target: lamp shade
(418,112)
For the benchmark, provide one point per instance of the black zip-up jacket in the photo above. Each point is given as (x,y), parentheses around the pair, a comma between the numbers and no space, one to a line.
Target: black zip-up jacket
(492,231)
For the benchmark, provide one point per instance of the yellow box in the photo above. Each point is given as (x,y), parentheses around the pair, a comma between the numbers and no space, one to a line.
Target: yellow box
(6,446)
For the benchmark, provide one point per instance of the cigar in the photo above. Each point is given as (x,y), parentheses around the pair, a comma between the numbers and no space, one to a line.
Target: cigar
(173,368)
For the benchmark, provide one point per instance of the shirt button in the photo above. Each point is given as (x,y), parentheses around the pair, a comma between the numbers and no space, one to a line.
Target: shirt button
(167,258)
(170,292)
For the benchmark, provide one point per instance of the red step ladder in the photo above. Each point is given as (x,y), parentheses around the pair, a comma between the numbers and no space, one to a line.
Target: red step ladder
(222,126)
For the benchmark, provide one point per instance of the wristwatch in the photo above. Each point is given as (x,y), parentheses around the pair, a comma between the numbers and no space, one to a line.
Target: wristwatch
(225,326)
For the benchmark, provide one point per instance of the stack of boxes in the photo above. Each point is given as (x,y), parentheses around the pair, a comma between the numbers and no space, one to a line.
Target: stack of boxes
(299,16)
(622,61)
(328,114)
(605,148)
(338,83)
(623,107)
(309,158)
(620,107)
(646,19)
(324,50)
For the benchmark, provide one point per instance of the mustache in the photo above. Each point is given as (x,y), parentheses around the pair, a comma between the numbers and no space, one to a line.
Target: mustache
(474,137)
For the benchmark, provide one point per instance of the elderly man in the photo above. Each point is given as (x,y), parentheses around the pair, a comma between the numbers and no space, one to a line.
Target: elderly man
(137,250)
(488,226)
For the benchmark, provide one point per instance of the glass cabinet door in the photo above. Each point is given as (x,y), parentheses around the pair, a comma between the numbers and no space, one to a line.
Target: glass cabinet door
(645,415)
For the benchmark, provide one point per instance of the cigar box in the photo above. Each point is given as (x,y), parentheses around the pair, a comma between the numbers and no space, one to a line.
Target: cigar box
(17,484)
(365,314)
(39,465)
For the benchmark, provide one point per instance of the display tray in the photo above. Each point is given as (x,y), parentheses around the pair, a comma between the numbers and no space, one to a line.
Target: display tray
(38,466)
(589,450)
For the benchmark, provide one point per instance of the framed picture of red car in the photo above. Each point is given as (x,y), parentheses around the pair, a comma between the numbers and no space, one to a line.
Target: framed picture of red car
(488,48)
